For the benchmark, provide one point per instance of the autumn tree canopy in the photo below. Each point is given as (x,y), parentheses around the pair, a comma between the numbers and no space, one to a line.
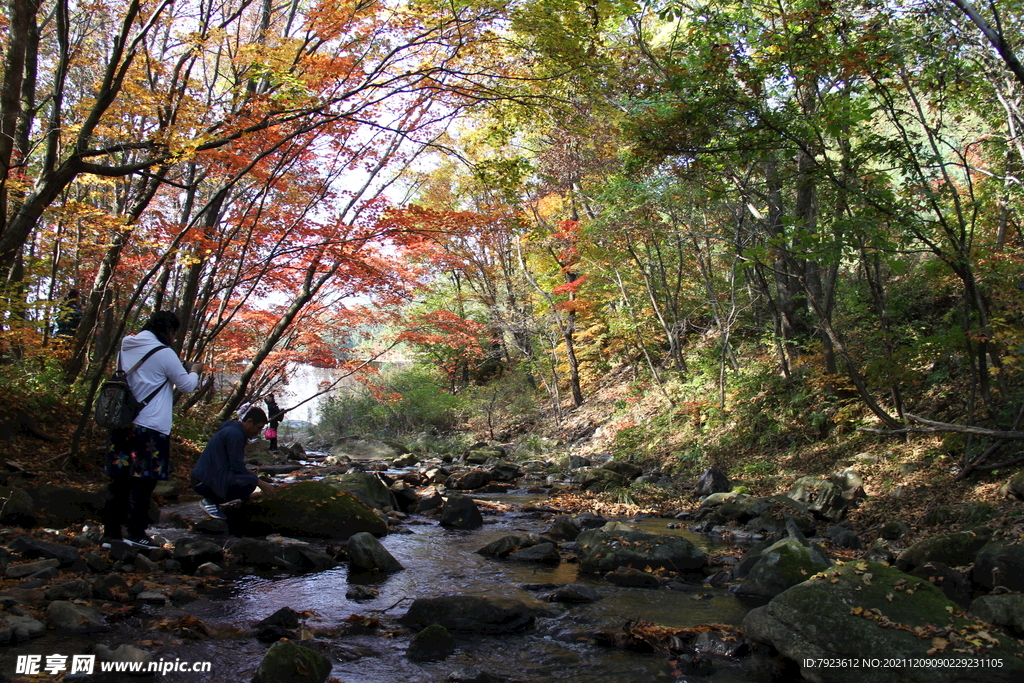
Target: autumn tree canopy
(547,187)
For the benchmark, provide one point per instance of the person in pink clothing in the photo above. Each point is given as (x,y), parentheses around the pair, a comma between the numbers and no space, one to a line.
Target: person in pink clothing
(139,456)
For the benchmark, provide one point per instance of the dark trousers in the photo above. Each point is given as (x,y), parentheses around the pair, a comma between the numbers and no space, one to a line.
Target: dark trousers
(241,486)
(127,504)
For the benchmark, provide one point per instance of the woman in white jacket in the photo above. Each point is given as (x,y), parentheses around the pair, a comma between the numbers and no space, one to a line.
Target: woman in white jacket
(139,456)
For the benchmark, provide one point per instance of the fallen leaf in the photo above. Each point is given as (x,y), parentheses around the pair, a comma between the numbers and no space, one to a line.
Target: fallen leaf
(867,579)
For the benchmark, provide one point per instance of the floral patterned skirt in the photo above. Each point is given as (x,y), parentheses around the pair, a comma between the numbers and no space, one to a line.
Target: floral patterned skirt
(138,452)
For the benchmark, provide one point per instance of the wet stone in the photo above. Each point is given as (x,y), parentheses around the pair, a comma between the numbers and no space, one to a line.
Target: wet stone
(68,616)
(31,548)
(433,643)
(17,571)
(632,578)
(151,598)
(574,593)
(17,629)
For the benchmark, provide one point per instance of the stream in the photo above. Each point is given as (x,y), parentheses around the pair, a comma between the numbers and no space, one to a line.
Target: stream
(440,561)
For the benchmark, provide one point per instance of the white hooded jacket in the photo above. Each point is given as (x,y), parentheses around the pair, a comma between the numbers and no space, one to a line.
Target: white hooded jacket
(157,370)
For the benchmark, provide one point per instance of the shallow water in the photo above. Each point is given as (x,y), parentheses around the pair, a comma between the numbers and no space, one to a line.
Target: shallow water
(439,561)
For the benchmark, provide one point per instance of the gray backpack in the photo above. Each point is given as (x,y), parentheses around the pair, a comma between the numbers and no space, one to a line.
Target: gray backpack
(116,406)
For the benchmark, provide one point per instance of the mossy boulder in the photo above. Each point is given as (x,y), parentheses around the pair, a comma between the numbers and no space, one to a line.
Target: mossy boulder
(312,509)
(1014,486)
(288,662)
(871,610)
(603,551)
(783,565)
(481,456)
(366,486)
(1002,564)
(626,469)
(600,479)
(954,549)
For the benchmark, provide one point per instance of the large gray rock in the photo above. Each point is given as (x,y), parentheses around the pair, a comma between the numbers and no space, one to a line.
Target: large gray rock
(312,509)
(469,613)
(17,571)
(467,481)
(1001,564)
(574,593)
(713,480)
(367,487)
(279,553)
(72,589)
(433,643)
(822,497)
(505,472)
(69,616)
(1014,486)
(563,529)
(15,629)
(542,552)
(193,552)
(1002,610)
(288,662)
(365,553)
(626,469)
(600,479)
(843,615)
(956,549)
(603,551)
(844,538)
(123,653)
(367,449)
(31,548)
(506,545)
(16,508)
(62,506)
(460,512)
(783,565)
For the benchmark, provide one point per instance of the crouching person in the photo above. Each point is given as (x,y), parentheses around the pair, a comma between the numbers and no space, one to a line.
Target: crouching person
(220,475)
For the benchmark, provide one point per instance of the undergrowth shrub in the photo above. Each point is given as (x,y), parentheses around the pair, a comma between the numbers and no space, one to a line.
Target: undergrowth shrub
(400,402)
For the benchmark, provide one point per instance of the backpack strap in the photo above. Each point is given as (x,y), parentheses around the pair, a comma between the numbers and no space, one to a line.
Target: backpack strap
(135,367)
(143,360)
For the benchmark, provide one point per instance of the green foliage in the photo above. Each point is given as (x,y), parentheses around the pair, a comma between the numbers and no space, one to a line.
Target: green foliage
(37,383)
(630,441)
(404,402)
(503,405)
(974,514)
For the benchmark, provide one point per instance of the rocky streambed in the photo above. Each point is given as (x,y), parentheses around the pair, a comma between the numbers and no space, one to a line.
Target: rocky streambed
(371,569)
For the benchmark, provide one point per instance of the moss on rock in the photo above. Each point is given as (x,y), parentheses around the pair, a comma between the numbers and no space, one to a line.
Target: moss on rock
(868,610)
(310,508)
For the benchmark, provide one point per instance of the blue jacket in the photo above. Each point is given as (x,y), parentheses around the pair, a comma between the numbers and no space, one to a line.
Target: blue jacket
(223,457)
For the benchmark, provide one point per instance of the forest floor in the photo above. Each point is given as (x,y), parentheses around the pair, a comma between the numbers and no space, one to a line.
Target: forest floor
(907,478)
